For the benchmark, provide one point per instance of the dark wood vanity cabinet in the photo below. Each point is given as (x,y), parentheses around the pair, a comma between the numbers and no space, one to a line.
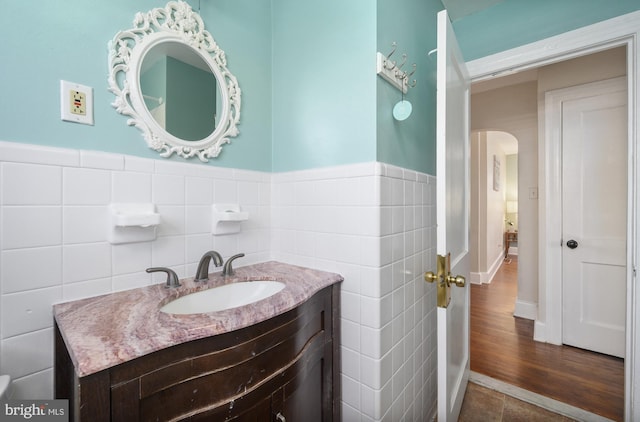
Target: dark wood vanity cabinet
(286,368)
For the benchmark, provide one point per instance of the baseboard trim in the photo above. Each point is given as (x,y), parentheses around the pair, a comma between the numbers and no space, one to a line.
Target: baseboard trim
(486,277)
(535,399)
(527,310)
(476,278)
(495,266)
(540,331)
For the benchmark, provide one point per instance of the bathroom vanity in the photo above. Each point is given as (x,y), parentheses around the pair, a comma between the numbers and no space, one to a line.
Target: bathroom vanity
(118,357)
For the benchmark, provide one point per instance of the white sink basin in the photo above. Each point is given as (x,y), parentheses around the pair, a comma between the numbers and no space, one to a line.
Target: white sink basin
(223,297)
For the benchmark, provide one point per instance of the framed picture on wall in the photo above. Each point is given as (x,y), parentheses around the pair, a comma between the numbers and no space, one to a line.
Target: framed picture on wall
(496,173)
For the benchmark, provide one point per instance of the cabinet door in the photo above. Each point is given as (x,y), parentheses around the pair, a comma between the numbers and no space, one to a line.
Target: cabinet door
(259,412)
(306,396)
(302,399)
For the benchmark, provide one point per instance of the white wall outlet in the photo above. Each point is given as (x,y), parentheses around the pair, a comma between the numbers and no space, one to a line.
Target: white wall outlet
(76,103)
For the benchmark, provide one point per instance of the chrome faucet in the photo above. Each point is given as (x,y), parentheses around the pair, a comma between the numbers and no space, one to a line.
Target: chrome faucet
(202,273)
(172,277)
(228,269)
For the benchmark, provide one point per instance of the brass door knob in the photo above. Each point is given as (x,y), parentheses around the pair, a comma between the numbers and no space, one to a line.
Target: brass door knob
(430,276)
(458,280)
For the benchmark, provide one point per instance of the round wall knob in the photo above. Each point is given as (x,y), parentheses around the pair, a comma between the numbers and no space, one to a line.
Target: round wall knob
(572,244)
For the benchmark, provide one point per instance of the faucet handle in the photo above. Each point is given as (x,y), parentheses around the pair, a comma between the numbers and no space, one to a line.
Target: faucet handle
(228,268)
(172,277)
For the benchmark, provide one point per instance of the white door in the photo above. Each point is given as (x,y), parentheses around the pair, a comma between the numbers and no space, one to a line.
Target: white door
(452,215)
(594,217)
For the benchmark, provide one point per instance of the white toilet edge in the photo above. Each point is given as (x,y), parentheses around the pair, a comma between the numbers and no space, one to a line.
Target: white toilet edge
(5,387)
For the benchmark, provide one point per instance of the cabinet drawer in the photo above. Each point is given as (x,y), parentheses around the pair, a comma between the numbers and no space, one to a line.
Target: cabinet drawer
(203,382)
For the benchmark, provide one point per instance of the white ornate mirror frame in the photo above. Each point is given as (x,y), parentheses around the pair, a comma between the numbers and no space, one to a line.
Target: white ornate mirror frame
(175,23)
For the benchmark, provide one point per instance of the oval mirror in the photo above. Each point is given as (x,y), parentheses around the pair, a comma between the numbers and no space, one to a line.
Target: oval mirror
(170,78)
(179,91)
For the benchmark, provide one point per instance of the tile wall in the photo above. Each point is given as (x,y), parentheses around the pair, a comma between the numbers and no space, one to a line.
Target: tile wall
(373,223)
(53,237)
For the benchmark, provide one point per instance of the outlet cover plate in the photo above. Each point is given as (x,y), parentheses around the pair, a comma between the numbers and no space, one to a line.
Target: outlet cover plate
(76,103)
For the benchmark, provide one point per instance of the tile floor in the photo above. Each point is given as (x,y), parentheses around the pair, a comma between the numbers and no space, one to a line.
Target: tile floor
(482,404)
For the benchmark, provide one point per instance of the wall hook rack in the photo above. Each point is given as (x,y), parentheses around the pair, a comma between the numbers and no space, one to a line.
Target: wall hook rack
(392,72)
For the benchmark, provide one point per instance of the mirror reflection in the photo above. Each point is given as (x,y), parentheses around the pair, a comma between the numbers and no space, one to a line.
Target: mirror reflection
(170,79)
(179,90)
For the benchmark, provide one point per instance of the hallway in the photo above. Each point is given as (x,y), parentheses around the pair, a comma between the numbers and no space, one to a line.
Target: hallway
(502,347)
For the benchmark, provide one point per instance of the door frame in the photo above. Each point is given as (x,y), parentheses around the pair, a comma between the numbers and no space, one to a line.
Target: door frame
(619,31)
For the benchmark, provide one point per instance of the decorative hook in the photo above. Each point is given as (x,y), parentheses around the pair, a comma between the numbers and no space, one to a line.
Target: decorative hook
(395,46)
(398,71)
(388,64)
(415,66)
(414,82)
(404,60)
(392,72)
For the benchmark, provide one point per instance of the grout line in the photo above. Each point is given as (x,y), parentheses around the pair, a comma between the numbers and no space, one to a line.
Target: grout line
(536,399)
(504,404)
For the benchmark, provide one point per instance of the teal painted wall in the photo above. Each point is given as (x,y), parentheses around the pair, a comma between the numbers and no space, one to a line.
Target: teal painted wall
(191,100)
(310,94)
(324,101)
(153,83)
(45,41)
(409,143)
(345,115)
(242,28)
(514,23)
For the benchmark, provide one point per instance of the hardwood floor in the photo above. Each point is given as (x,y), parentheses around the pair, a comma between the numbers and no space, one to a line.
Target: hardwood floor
(502,347)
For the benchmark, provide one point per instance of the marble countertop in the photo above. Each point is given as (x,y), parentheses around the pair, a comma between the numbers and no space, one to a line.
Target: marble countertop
(104,331)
